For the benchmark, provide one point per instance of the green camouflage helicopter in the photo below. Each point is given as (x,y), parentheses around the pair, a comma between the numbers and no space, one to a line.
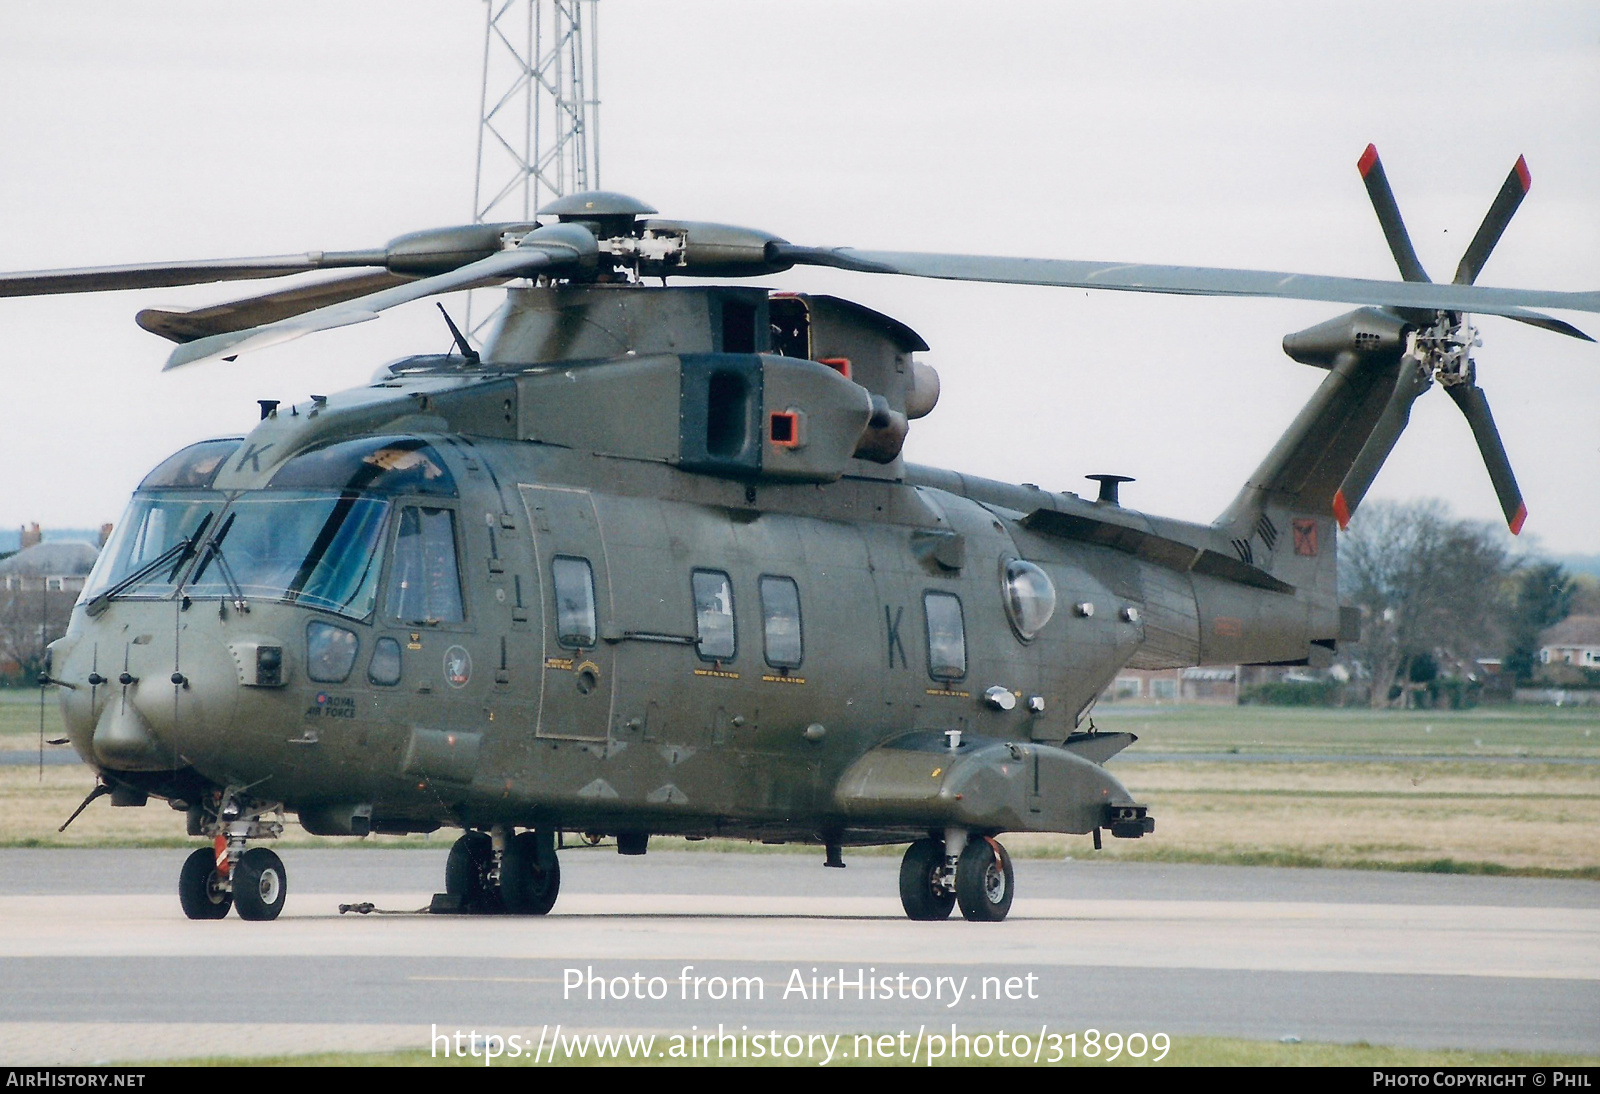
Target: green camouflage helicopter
(653,563)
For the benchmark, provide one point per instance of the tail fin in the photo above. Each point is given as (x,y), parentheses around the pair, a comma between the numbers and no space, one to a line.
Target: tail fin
(1298,486)
(1362,352)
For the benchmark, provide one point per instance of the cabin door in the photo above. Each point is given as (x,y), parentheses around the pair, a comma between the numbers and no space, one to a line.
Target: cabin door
(575,601)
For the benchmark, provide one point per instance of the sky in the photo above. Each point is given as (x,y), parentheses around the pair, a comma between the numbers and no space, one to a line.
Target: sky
(1221,134)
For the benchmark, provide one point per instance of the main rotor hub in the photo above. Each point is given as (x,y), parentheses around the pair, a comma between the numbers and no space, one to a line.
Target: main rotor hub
(604,212)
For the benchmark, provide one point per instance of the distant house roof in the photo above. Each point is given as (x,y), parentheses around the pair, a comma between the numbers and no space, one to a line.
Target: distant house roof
(1575,630)
(52,558)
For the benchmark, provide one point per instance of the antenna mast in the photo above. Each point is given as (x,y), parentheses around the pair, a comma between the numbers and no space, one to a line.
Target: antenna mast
(539,112)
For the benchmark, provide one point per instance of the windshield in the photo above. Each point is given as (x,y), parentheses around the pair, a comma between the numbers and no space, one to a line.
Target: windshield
(319,550)
(152,526)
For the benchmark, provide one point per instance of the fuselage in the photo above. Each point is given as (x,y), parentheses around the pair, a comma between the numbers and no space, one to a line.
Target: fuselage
(480,596)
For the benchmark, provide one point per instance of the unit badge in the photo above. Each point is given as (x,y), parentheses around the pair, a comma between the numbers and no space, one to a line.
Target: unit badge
(457,666)
(1305,538)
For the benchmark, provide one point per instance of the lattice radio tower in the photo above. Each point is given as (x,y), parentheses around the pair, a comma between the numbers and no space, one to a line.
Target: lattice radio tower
(539,113)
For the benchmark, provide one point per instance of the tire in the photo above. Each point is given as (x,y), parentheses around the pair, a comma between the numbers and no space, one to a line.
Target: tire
(922,894)
(530,876)
(199,887)
(464,869)
(984,882)
(260,885)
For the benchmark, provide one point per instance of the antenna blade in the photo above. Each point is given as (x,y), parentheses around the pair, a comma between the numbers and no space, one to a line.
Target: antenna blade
(1394,228)
(1505,203)
(1412,381)
(186,325)
(1185,280)
(1475,405)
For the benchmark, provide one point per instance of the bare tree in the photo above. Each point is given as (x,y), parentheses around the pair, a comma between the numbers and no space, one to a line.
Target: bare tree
(30,619)
(1428,586)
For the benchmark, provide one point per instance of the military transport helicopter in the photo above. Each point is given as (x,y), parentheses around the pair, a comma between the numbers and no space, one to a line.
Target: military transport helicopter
(653,562)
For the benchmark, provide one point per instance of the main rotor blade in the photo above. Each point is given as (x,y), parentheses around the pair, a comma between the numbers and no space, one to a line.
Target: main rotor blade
(415,254)
(1184,280)
(155,275)
(485,271)
(1545,322)
(1475,405)
(1505,203)
(1412,381)
(558,247)
(187,324)
(1394,228)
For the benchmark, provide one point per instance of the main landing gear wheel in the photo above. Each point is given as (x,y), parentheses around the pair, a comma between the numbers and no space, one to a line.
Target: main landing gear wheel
(530,875)
(922,891)
(984,882)
(465,873)
(260,884)
(200,887)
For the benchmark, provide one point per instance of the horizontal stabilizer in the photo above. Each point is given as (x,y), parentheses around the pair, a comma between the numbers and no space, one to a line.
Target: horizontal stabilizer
(1097,748)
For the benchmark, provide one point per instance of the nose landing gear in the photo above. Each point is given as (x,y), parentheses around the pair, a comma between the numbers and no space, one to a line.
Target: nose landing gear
(938,875)
(228,874)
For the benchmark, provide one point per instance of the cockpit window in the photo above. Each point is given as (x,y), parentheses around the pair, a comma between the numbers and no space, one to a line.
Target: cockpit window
(424,580)
(319,550)
(386,465)
(155,526)
(194,467)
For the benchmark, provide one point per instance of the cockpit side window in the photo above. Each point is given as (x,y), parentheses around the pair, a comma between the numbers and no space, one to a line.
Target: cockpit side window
(424,577)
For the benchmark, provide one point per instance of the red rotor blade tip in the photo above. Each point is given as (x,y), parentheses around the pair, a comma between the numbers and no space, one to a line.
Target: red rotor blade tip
(1341,511)
(1517,519)
(1522,174)
(1368,158)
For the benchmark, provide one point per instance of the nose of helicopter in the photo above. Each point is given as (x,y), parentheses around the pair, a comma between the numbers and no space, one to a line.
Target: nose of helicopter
(152,701)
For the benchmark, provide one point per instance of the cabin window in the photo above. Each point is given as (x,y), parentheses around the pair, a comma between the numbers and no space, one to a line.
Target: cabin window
(575,620)
(713,615)
(424,580)
(385,666)
(947,636)
(780,616)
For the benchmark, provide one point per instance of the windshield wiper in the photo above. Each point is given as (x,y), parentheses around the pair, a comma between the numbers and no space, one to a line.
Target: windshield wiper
(178,554)
(214,551)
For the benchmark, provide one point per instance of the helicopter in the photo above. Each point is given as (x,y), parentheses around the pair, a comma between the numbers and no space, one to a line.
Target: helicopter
(652,562)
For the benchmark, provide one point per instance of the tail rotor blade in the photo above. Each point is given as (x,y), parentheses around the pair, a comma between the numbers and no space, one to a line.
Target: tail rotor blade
(1473,404)
(1512,191)
(1412,381)
(1394,229)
